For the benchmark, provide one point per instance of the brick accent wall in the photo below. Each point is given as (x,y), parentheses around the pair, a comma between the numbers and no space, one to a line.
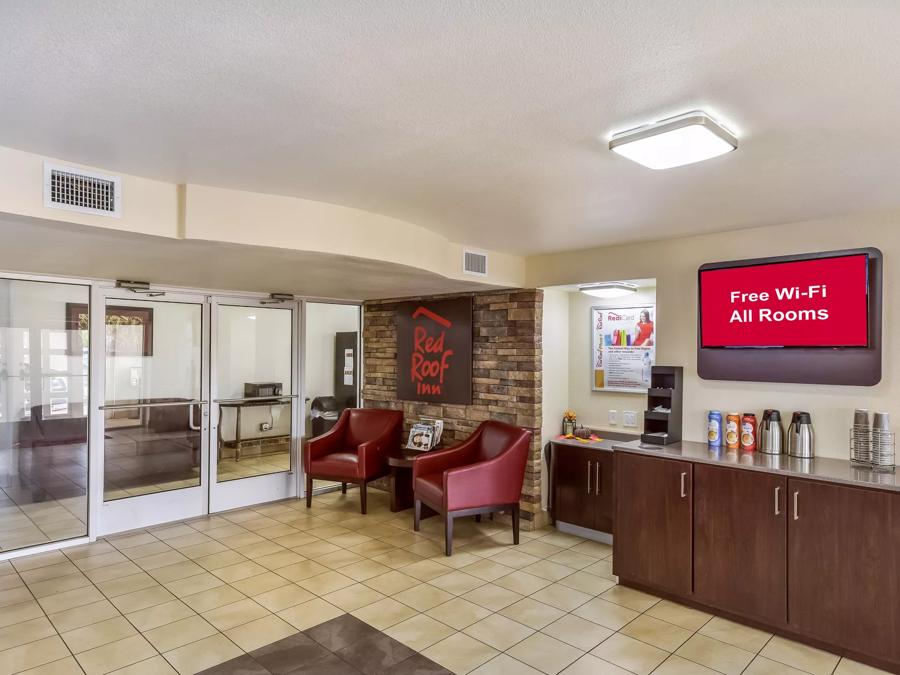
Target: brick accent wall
(506,375)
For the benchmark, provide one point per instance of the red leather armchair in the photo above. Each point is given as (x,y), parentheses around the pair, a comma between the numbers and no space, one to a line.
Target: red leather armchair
(354,451)
(483,474)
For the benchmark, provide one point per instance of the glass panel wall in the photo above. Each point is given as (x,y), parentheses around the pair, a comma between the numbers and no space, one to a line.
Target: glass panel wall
(152,433)
(331,366)
(253,362)
(43,412)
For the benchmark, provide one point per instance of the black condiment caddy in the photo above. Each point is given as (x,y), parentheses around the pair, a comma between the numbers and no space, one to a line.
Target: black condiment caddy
(666,389)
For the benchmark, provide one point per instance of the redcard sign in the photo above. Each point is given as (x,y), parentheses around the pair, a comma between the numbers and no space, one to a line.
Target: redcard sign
(434,351)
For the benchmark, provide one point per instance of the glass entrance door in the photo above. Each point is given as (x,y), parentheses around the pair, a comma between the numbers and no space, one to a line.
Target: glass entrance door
(154,412)
(254,406)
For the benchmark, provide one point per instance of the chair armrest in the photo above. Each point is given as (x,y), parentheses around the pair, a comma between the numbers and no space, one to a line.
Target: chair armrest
(373,454)
(438,461)
(493,481)
(328,442)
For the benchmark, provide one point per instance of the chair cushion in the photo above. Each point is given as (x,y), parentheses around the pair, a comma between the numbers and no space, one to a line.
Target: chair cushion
(336,464)
(430,488)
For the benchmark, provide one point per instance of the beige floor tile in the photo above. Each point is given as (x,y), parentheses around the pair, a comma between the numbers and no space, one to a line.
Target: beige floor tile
(602,569)
(98,634)
(800,656)
(213,598)
(24,611)
(193,585)
(25,631)
(591,665)
(522,583)
(458,613)
(200,550)
(630,654)
(520,557)
(679,615)
(848,667)
(419,632)
(242,570)
(178,633)
(425,570)
(164,559)
(203,654)
(545,653)
(763,666)
(156,547)
(423,597)
(503,664)
(573,559)
(549,570)
(219,560)
(148,597)
(656,632)
(587,583)
(310,613)
(283,597)
(325,583)
(365,569)
(160,615)
(31,562)
(487,569)
(124,569)
(392,582)
(181,570)
(32,655)
(735,634)
(47,572)
(302,570)
(561,539)
(127,584)
(261,583)
(492,597)
(42,589)
(308,546)
(607,614)
(578,632)
(115,655)
(384,613)
(460,653)
(498,631)
(714,654)
(595,549)
(338,559)
(77,598)
(66,666)
(532,613)
(155,665)
(398,558)
(235,614)
(275,561)
(260,632)
(675,665)
(630,598)
(561,597)
(460,558)
(353,597)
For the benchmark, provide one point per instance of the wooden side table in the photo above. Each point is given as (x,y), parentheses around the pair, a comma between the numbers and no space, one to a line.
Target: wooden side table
(401,461)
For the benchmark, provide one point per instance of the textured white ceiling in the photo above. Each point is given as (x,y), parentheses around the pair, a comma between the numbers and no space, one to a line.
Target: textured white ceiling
(483,120)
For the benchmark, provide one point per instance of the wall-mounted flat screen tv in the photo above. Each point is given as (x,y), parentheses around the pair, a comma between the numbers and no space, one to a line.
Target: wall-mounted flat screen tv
(818,302)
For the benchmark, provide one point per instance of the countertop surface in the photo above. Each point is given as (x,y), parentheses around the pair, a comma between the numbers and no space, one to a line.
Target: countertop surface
(820,468)
(603,444)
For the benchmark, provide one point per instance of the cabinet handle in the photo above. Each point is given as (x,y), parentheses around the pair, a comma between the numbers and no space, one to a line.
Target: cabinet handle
(597,478)
(589,477)
(796,506)
(683,477)
(777,501)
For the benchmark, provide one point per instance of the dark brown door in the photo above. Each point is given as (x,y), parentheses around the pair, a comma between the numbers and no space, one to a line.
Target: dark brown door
(573,486)
(842,566)
(604,491)
(653,534)
(740,541)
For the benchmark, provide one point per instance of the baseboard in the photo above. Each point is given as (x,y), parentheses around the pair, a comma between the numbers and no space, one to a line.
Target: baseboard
(585,533)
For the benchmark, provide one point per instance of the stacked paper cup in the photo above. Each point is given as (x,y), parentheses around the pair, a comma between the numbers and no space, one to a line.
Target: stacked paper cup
(860,438)
(883,442)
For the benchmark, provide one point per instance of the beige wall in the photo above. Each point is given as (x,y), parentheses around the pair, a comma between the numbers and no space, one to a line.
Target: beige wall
(674,264)
(555,356)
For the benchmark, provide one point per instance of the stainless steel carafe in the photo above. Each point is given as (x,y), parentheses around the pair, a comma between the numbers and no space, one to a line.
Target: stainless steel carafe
(771,434)
(801,440)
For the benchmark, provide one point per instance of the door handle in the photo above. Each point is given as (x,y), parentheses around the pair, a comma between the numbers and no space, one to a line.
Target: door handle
(589,477)
(597,478)
(778,501)
(683,488)
(796,506)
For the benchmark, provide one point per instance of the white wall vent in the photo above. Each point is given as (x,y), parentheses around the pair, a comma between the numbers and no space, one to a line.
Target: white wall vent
(475,263)
(80,190)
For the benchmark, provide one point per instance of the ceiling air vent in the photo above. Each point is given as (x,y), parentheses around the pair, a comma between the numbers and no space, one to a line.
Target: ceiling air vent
(475,263)
(80,190)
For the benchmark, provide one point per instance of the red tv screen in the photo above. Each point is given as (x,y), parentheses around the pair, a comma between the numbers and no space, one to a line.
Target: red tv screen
(820,302)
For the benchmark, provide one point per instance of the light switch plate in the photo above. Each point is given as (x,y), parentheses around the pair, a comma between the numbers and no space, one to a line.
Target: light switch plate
(614,417)
(630,417)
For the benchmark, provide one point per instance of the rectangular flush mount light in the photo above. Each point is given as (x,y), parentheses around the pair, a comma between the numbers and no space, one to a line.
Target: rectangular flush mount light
(675,141)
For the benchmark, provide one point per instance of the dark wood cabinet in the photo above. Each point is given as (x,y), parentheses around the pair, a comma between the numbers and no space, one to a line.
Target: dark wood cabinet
(583,487)
(653,529)
(843,566)
(740,542)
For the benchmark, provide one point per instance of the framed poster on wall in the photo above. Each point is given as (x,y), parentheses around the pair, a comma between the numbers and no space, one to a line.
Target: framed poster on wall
(623,347)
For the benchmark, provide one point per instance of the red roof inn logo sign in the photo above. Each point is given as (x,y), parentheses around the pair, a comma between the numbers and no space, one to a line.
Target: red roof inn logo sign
(434,351)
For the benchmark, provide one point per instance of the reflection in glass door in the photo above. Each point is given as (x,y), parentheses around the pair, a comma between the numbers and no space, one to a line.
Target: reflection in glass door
(154,410)
(252,383)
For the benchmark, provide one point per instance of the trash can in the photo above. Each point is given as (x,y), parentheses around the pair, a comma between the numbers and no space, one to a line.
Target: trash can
(324,412)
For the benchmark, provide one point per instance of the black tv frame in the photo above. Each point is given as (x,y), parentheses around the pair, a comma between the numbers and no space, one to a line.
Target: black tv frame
(857,366)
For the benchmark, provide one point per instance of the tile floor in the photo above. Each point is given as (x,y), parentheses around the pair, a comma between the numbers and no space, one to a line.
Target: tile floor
(213,592)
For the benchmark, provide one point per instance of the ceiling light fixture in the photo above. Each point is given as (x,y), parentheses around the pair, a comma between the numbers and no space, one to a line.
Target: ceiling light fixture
(675,141)
(608,289)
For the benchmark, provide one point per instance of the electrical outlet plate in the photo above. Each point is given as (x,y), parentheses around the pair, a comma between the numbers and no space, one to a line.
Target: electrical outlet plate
(630,417)
(613,416)
(265,426)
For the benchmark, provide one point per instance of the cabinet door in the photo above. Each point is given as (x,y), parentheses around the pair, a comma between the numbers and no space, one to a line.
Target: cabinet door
(604,491)
(740,542)
(653,533)
(573,486)
(842,567)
